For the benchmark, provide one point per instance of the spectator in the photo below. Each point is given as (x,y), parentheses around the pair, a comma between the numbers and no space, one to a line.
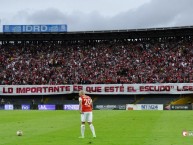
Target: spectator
(2,101)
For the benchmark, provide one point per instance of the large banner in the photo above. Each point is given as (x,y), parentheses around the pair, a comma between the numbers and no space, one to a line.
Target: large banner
(34,28)
(105,89)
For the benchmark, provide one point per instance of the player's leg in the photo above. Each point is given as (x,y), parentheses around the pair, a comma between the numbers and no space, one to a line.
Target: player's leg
(82,127)
(90,118)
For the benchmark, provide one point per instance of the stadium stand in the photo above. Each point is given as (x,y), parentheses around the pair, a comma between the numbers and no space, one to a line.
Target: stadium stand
(103,62)
(163,55)
(184,99)
(158,99)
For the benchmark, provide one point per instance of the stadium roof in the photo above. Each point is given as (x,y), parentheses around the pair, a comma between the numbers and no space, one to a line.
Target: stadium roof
(99,35)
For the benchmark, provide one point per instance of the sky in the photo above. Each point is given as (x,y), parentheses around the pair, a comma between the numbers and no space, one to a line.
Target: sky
(93,15)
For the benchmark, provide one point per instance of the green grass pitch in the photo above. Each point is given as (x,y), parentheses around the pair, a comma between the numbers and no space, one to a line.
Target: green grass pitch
(112,128)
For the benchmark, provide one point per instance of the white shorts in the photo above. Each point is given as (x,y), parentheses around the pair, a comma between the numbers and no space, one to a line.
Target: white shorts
(86,116)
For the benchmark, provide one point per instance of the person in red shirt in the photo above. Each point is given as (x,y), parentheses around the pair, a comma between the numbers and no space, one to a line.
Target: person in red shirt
(85,107)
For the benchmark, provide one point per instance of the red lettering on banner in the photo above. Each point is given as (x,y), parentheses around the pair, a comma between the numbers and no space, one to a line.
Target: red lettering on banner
(50,89)
(154,88)
(27,89)
(93,89)
(185,88)
(63,88)
(60,87)
(121,88)
(42,89)
(67,88)
(114,89)
(131,89)
(20,90)
(39,89)
(33,90)
(57,89)
(170,88)
(8,90)
(178,89)
(141,88)
(189,88)
(109,89)
(77,88)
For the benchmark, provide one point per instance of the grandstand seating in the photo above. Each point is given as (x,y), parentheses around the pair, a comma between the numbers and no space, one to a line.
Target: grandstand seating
(183,99)
(114,100)
(167,60)
(158,99)
(98,62)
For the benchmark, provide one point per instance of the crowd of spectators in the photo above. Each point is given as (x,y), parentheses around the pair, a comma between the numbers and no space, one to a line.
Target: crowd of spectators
(97,62)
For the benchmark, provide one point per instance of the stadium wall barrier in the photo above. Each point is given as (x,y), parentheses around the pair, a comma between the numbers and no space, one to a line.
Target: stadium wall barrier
(105,89)
(58,107)
(96,107)
(144,106)
(40,107)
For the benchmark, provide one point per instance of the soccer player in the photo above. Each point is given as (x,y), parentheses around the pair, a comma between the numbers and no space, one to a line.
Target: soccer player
(85,107)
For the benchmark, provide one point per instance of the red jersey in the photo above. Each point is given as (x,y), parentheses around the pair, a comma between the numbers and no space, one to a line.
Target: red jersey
(86,103)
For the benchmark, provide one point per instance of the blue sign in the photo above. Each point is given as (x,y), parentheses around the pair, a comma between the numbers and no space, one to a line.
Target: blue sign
(71,107)
(34,28)
(25,107)
(8,107)
(46,107)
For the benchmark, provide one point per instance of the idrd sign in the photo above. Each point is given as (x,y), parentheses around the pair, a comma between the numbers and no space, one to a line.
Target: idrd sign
(35,28)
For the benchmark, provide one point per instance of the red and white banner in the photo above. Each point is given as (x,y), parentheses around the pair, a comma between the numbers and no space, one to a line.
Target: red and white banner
(105,89)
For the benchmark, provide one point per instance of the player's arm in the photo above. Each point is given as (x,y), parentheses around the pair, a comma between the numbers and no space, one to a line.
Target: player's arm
(91,103)
(80,105)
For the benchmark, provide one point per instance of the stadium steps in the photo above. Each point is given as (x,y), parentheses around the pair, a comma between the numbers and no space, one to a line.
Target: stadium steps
(138,100)
(183,100)
(95,99)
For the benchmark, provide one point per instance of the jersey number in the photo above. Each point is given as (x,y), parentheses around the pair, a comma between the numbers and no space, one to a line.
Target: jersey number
(87,102)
